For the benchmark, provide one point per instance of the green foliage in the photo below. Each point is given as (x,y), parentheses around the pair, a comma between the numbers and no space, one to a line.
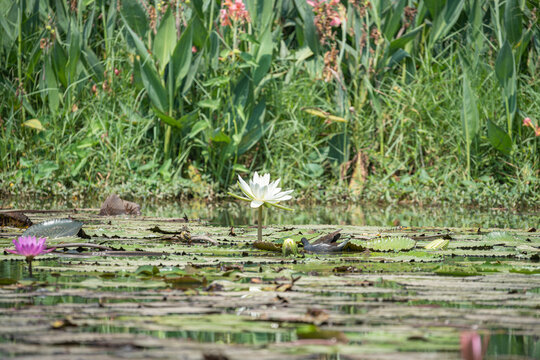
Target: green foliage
(170,99)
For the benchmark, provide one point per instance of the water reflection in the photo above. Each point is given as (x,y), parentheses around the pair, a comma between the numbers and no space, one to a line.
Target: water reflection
(233,213)
(246,337)
(507,342)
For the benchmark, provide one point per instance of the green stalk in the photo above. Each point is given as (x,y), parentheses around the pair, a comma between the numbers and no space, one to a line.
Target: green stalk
(508,116)
(468,145)
(19,58)
(259,224)
(168,128)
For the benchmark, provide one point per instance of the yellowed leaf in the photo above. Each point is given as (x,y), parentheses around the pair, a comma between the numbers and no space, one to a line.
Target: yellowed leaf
(34,124)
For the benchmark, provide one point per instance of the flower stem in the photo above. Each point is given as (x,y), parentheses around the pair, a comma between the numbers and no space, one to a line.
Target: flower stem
(259,223)
(29,261)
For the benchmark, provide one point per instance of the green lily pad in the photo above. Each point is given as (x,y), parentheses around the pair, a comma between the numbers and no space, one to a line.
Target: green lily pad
(147,270)
(387,244)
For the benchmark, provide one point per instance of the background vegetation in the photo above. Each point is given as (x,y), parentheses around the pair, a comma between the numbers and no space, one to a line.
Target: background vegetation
(370,100)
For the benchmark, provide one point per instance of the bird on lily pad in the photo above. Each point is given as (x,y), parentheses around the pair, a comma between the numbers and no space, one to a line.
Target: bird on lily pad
(323,247)
(328,238)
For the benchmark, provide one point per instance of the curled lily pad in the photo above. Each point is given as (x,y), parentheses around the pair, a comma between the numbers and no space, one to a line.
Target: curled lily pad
(56,228)
(267,245)
(437,244)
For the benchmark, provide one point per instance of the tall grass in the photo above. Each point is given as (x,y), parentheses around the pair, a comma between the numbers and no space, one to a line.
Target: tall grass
(163,98)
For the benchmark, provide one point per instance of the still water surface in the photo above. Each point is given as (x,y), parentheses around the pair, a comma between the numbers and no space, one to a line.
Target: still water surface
(236,213)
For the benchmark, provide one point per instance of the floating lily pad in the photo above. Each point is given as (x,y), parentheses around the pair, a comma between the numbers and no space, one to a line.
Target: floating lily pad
(147,270)
(383,244)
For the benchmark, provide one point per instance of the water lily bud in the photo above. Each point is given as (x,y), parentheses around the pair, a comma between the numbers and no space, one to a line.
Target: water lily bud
(289,247)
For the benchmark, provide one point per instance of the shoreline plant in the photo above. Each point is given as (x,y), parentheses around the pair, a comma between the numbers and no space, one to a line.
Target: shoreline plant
(171,97)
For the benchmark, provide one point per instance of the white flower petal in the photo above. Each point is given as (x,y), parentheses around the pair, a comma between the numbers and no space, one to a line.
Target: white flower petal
(284,197)
(245,187)
(260,190)
(256,178)
(265,179)
(256,203)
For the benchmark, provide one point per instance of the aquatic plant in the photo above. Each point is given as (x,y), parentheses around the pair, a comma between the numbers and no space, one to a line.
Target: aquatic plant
(260,191)
(30,247)
(289,247)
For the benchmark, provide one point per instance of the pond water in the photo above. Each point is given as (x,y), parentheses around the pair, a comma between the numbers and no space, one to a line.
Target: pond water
(236,213)
(201,296)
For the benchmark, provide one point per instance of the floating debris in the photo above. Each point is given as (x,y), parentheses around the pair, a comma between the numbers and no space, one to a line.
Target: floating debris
(114,205)
(15,219)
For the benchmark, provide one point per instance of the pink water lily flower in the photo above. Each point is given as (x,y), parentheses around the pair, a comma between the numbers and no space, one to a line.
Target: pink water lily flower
(29,246)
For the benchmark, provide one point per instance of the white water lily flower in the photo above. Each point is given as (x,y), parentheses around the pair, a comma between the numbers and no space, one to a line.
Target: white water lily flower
(261,191)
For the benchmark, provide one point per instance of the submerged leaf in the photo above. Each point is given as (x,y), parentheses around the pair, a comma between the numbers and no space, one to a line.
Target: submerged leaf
(185,282)
(314,332)
(456,270)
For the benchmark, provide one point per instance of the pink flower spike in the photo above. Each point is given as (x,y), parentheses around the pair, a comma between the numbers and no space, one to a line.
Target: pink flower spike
(235,11)
(29,246)
(336,21)
(528,122)
(537,131)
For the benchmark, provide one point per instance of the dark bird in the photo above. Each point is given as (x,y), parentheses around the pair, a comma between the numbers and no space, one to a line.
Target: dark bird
(323,247)
(328,238)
